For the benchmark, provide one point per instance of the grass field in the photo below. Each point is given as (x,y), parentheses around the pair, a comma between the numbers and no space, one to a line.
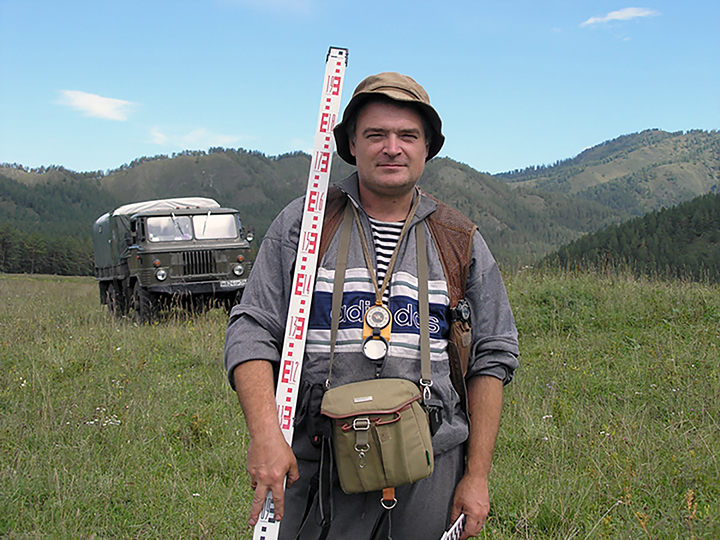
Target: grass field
(611,428)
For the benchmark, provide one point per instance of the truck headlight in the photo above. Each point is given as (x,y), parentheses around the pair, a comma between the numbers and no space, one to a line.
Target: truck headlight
(238,270)
(161,274)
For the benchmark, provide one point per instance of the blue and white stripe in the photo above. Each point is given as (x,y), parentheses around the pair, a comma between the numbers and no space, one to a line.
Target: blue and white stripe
(359,295)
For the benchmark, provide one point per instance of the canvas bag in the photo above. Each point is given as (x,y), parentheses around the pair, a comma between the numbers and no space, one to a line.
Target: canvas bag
(381,432)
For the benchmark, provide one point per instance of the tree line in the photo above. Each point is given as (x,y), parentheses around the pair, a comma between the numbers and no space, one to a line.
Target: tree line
(680,242)
(36,253)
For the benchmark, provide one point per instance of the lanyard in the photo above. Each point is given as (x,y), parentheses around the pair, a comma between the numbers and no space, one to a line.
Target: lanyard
(380,290)
(423,294)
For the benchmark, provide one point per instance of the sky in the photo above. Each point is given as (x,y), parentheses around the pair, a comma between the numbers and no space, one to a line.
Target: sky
(94,84)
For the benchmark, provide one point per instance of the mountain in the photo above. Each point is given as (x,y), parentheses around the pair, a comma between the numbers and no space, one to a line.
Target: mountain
(636,173)
(679,242)
(520,225)
(52,201)
(523,215)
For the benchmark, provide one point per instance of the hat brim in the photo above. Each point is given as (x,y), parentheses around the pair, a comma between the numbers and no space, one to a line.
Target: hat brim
(342,140)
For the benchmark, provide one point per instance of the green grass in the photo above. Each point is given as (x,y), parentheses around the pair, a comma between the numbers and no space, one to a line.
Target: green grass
(610,430)
(110,430)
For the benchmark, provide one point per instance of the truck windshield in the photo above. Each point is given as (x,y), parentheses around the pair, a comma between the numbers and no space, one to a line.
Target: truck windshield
(215,227)
(169,228)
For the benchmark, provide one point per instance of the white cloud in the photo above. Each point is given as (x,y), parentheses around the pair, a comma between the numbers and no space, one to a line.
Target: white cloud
(625,14)
(196,139)
(96,106)
(158,137)
(203,138)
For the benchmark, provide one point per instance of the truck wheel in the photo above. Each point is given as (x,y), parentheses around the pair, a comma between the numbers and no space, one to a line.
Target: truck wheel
(145,304)
(115,301)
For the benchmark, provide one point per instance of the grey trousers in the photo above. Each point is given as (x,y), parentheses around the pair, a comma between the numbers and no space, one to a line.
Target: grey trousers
(422,511)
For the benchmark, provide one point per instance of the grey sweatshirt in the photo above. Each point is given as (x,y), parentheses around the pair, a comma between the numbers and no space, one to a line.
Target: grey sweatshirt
(256,327)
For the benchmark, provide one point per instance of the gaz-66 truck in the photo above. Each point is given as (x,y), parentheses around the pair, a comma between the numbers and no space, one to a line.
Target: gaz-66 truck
(188,251)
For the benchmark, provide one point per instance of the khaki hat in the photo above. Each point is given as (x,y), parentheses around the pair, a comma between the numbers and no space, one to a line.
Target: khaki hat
(399,88)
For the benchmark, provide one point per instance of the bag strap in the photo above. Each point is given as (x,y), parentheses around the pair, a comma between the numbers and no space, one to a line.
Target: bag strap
(335,202)
(423,297)
(339,282)
(453,235)
(424,309)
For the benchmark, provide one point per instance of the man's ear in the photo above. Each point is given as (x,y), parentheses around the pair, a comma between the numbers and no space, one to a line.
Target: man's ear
(351,145)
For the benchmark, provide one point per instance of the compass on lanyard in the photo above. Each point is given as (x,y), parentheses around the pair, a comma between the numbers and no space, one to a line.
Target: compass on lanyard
(376,332)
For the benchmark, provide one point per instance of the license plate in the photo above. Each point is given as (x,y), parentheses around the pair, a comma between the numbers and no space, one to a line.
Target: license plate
(233,283)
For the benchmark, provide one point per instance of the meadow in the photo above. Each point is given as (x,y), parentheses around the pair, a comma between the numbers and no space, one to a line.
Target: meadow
(610,429)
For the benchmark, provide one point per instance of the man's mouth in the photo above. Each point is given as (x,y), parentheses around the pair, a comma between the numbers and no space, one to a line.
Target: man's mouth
(391,165)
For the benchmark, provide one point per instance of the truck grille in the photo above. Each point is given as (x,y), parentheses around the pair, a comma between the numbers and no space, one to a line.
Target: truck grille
(198,262)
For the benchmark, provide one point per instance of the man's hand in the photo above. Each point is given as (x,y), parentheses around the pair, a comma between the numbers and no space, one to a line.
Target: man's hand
(269,461)
(485,395)
(472,498)
(269,458)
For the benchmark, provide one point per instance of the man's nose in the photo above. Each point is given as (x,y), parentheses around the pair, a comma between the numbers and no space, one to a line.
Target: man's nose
(392,145)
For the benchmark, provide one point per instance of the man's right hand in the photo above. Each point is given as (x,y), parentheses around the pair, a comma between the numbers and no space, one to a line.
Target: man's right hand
(269,461)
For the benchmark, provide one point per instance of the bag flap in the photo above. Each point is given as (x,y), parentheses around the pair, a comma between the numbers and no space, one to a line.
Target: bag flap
(377,396)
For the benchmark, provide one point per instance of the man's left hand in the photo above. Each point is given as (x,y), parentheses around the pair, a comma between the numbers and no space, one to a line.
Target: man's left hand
(472,498)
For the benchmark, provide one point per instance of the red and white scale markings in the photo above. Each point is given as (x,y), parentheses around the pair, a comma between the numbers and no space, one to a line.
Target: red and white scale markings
(305,264)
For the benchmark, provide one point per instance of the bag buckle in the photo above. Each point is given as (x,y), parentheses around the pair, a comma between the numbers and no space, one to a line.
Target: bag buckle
(361,424)
(461,312)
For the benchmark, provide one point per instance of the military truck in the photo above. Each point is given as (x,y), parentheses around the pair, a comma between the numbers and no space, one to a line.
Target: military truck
(188,251)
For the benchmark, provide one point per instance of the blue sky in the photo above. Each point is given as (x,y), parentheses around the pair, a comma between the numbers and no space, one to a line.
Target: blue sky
(94,84)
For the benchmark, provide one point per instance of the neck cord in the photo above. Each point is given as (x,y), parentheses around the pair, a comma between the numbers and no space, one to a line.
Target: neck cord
(379,291)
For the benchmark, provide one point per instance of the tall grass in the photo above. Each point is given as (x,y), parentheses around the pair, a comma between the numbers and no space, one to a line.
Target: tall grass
(610,430)
(110,430)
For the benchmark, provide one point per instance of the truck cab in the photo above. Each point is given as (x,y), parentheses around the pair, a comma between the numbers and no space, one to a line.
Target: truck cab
(190,252)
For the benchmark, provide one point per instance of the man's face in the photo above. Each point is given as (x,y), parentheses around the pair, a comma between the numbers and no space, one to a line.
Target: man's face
(389,147)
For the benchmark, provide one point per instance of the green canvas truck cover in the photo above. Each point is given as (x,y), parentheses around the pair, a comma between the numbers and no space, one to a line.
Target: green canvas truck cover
(110,230)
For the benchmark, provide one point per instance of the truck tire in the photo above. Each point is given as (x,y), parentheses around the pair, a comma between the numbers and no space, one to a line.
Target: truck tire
(145,304)
(115,300)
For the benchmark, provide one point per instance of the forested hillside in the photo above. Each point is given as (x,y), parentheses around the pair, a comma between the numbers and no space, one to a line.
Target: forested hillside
(520,225)
(523,215)
(683,241)
(45,220)
(634,174)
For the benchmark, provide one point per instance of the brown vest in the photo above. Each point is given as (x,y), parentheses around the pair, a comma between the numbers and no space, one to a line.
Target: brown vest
(453,235)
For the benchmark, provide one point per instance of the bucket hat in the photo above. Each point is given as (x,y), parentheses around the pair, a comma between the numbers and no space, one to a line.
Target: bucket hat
(399,88)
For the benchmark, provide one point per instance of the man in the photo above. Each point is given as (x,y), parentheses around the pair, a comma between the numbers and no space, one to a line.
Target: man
(389,130)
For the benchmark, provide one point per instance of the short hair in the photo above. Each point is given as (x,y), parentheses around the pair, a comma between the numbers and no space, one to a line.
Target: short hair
(351,122)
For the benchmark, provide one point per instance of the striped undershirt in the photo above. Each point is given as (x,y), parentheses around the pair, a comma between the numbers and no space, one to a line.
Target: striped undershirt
(385,238)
